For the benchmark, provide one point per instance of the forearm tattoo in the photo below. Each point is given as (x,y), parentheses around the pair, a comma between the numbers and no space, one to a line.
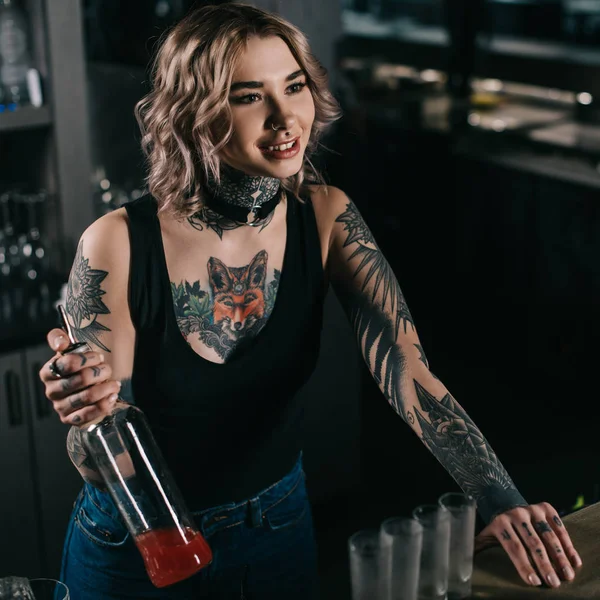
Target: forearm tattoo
(423,359)
(84,301)
(454,439)
(78,453)
(422,356)
(377,309)
(80,458)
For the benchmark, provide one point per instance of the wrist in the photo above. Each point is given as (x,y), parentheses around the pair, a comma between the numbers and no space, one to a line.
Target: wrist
(498,500)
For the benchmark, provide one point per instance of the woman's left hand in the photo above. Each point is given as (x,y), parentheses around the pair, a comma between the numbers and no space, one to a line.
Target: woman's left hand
(533,534)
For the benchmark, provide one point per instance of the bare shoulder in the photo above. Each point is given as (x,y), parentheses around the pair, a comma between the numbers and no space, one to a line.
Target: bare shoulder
(328,201)
(107,239)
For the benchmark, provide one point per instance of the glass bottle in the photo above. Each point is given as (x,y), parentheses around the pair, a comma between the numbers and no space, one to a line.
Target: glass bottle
(137,478)
(14,53)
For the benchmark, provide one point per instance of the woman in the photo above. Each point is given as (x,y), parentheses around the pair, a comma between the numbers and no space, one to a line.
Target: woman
(203,304)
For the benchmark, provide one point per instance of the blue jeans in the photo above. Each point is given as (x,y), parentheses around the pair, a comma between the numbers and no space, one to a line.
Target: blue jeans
(263,549)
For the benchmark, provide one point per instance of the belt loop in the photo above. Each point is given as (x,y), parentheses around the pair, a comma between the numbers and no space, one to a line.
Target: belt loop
(255,512)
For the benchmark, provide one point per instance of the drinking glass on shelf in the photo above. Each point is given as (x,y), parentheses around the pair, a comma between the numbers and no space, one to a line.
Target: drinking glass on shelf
(26,274)
(433,576)
(365,564)
(9,262)
(35,271)
(49,589)
(462,509)
(401,541)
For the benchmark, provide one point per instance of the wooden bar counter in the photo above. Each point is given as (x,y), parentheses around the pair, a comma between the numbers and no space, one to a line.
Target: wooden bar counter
(495,577)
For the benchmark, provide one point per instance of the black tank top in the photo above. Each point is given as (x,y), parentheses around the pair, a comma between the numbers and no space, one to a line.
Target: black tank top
(227,431)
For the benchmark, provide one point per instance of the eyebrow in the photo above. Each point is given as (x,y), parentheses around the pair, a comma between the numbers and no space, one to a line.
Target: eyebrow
(254,85)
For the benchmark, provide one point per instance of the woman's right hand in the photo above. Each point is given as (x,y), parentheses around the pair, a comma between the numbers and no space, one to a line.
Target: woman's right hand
(84,390)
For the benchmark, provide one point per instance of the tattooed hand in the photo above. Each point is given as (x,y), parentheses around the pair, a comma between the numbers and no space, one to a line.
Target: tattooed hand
(534,535)
(84,390)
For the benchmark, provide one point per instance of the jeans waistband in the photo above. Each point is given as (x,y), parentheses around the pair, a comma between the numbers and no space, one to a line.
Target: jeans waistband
(252,509)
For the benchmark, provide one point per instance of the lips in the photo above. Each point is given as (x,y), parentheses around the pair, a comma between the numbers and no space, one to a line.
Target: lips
(281,142)
(283,150)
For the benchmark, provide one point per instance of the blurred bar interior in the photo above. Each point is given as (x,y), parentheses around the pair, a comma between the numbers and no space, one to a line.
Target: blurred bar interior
(471,144)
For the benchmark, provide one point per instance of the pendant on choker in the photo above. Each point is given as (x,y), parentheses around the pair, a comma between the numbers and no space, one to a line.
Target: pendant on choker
(253,216)
(251,219)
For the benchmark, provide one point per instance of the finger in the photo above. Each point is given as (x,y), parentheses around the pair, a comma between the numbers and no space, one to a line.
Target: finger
(70,363)
(554,548)
(563,535)
(96,411)
(75,408)
(536,549)
(512,544)
(61,388)
(57,340)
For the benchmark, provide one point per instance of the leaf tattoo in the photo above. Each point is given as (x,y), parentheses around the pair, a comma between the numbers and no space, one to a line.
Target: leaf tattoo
(385,359)
(84,300)
(376,266)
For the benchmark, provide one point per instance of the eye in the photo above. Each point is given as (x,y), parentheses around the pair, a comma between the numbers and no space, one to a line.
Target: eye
(247,99)
(297,87)
(227,302)
(249,298)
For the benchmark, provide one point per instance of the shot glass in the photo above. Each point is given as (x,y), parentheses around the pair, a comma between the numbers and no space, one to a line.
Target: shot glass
(365,564)
(49,589)
(401,541)
(462,509)
(433,575)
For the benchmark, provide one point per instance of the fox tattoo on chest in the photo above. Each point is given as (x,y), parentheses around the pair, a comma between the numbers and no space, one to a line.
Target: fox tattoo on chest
(234,309)
(238,294)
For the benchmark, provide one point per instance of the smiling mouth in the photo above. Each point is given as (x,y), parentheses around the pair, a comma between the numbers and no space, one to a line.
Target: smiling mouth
(282,152)
(281,147)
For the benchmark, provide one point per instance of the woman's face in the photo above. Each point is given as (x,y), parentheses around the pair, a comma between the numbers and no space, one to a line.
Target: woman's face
(269,90)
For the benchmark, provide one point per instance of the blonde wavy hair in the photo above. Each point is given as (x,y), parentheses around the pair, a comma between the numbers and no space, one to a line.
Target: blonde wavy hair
(185,120)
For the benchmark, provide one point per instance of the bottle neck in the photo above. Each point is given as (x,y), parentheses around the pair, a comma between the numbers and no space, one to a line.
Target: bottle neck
(119,406)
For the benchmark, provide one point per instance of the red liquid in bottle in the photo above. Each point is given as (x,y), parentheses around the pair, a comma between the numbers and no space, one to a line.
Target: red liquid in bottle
(169,558)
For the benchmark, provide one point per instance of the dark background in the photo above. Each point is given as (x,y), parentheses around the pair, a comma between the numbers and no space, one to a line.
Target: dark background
(473,155)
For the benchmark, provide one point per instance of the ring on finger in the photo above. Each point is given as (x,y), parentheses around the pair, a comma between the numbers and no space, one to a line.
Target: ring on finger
(54,369)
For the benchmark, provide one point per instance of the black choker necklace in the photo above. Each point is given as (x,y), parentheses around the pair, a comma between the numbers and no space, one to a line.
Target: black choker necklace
(252,215)
(243,198)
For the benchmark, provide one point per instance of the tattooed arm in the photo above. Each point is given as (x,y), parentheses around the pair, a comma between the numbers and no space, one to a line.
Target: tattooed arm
(385,330)
(98,312)
(386,334)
